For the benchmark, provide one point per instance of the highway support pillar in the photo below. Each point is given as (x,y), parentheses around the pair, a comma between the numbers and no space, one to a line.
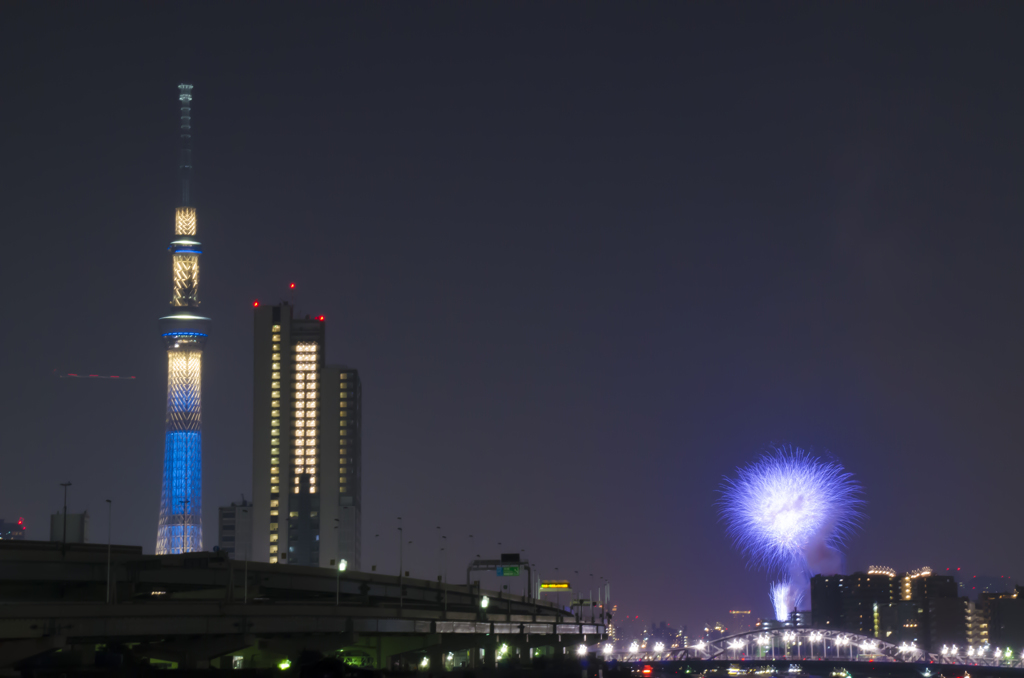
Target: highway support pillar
(436,656)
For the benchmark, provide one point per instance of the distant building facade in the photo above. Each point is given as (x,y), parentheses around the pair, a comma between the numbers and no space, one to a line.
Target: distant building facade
(307,446)
(913,607)
(78,528)
(234,530)
(1002,616)
(15,530)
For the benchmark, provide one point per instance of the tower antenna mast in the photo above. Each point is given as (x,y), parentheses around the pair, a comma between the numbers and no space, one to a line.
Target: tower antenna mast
(184,332)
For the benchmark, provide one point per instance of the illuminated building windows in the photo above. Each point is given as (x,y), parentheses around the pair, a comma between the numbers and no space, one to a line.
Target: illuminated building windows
(275,375)
(275,422)
(274,489)
(275,337)
(275,432)
(273,549)
(275,328)
(275,413)
(275,394)
(275,356)
(274,503)
(273,512)
(273,538)
(275,366)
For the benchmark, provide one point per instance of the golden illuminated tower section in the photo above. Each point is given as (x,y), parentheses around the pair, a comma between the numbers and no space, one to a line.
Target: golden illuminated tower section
(184,332)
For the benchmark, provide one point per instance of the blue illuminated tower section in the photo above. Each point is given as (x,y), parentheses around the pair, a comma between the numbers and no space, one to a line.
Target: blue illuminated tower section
(184,331)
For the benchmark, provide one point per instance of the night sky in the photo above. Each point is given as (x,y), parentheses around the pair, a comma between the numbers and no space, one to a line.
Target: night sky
(588,258)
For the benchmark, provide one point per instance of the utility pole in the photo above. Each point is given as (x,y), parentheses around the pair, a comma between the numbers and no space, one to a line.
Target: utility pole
(401,588)
(248,552)
(110,522)
(64,540)
(184,523)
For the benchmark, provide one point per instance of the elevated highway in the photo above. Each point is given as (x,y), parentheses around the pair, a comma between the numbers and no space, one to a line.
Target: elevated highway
(196,607)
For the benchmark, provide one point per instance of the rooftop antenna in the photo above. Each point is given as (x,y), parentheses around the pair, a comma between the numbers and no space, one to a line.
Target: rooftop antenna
(185,160)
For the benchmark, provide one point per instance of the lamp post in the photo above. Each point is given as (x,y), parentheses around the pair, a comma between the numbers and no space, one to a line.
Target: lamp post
(248,551)
(64,539)
(401,588)
(184,522)
(110,520)
(337,578)
(444,558)
(342,565)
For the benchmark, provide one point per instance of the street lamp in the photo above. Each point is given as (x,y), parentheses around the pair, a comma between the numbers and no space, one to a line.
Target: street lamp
(64,541)
(110,514)
(484,602)
(184,523)
(248,554)
(342,566)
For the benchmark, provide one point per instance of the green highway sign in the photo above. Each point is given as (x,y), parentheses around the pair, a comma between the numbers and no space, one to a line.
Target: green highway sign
(508,571)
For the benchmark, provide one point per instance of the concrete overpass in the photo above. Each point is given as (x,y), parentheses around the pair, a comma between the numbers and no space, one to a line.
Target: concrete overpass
(195,608)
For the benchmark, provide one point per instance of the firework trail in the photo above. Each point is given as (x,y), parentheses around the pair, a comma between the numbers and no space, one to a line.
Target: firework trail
(789,513)
(785,598)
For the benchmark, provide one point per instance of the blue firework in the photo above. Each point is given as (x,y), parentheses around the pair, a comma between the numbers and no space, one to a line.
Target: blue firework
(788,502)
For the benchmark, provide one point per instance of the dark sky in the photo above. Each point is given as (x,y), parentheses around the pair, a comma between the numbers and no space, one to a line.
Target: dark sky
(588,258)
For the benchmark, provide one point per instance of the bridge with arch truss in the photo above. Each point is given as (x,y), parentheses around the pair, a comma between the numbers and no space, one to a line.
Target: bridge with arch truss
(807,644)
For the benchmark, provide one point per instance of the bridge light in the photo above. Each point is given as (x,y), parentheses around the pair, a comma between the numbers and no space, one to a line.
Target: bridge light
(659,647)
(634,648)
(484,602)
(608,649)
(581,651)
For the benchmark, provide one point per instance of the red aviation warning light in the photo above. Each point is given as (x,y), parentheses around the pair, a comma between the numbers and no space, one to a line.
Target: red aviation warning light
(292,286)
(321,318)
(255,304)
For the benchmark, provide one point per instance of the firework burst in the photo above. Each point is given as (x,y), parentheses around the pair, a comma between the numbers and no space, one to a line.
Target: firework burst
(790,512)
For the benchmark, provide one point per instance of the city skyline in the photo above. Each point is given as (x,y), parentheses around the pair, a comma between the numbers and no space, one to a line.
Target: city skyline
(587,267)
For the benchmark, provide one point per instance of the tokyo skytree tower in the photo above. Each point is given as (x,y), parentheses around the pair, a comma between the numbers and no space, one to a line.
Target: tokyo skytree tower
(184,332)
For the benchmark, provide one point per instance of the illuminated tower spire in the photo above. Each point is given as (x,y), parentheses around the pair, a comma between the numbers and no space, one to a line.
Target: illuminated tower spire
(184,332)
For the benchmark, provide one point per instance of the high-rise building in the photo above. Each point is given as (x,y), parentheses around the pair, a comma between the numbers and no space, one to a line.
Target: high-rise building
(307,445)
(184,332)
(914,607)
(1002,617)
(234,530)
(12,530)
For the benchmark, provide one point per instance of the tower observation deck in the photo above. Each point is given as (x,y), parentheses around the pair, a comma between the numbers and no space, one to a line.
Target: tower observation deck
(184,332)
